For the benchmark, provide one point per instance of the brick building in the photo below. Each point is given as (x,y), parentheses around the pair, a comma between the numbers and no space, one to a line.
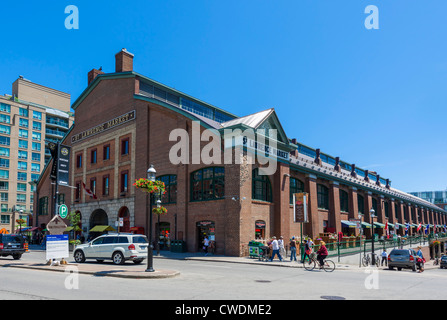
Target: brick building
(124,122)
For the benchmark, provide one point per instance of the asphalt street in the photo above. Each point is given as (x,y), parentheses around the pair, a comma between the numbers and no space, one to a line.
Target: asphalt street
(211,280)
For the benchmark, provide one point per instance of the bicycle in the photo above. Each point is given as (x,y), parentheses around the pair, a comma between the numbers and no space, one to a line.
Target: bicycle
(328,265)
(436,261)
(367,259)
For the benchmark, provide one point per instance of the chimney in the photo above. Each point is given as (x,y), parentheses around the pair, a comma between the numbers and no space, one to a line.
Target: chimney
(93,74)
(124,61)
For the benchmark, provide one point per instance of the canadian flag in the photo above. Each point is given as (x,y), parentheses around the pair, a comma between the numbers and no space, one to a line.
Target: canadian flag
(419,227)
(89,192)
(387,230)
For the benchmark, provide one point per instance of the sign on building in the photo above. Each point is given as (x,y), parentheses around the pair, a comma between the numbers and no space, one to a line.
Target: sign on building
(300,204)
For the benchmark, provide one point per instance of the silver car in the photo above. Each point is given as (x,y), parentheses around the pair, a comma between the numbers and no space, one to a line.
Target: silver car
(402,258)
(117,247)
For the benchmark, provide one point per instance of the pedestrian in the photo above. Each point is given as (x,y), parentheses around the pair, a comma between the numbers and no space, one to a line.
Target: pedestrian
(384,257)
(282,249)
(206,243)
(292,249)
(420,260)
(307,250)
(275,249)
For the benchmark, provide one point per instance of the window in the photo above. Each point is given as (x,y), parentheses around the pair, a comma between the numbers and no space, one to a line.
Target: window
(23,112)
(396,210)
(208,184)
(5,141)
(124,181)
(323,197)
(37,115)
(261,187)
(5,129)
(93,155)
(21,197)
(21,176)
(4,152)
(37,125)
(105,185)
(93,185)
(35,167)
(344,201)
(106,152)
(22,154)
(374,206)
(4,185)
(43,206)
(79,161)
(125,147)
(35,156)
(23,123)
(23,133)
(36,146)
(5,118)
(4,163)
(21,165)
(23,144)
(37,136)
(5,108)
(61,198)
(78,191)
(296,186)
(170,182)
(4,174)
(386,209)
(361,204)
(4,197)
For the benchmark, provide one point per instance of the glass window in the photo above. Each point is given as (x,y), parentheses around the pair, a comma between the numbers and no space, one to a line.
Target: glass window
(23,154)
(5,118)
(4,163)
(21,176)
(5,108)
(21,187)
(261,187)
(37,136)
(43,206)
(23,144)
(196,108)
(125,146)
(23,133)
(208,184)
(124,181)
(296,186)
(106,152)
(21,197)
(21,165)
(37,115)
(344,201)
(105,185)
(98,241)
(323,197)
(5,141)
(4,174)
(23,123)
(5,218)
(5,129)
(170,181)
(23,112)
(35,167)
(109,240)
(361,204)
(386,209)
(139,239)
(35,156)
(37,125)
(93,155)
(4,197)
(4,185)
(4,152)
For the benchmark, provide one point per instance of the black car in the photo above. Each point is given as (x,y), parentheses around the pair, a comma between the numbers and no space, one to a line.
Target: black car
(12,245)
(443,262)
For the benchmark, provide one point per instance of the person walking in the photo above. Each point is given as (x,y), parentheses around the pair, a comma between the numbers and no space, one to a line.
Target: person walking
(292,249)
(282,249)
(384,257)
(275,249)
(420,260)
(206,243)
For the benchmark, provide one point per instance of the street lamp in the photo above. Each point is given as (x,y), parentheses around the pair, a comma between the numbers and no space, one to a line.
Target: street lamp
(150,249)
(373,259)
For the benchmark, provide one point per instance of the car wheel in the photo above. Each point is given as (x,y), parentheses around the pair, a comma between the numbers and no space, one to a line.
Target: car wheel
(118,258)
(17,256)
(391,268)
(399,269)
(79,256)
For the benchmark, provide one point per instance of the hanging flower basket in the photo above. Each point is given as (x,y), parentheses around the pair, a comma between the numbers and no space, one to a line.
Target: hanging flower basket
(150,186)
(160,210)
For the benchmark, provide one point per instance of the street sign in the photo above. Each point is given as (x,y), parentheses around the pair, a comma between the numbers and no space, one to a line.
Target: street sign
(56,225)
(63,161)
(63,211)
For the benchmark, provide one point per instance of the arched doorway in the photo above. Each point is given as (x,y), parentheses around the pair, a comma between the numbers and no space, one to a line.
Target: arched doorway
(124,214)
(98,218)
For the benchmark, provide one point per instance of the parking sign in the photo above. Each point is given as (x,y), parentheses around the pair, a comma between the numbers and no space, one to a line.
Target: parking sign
(63,211)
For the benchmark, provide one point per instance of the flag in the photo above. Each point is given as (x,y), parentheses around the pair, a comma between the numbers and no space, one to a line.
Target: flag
(387,230)
(426,229)
(419,227)
(89,192)
(406,228)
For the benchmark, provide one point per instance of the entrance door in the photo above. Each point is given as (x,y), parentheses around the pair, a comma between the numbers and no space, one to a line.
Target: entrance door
(205,228)
(165,231)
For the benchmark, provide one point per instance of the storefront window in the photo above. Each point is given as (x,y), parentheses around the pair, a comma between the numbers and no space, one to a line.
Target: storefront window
(344,203)
(208,184)
(323,197)
(296,186)
(262,188)
(170,182)
(260,230)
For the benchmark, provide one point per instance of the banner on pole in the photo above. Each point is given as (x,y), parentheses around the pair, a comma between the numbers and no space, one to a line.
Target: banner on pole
(300,207)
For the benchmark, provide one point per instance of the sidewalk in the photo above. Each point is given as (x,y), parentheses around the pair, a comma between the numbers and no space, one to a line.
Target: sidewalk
(110,270)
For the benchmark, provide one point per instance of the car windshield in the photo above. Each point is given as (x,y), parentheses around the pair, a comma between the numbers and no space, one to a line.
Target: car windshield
(11,238)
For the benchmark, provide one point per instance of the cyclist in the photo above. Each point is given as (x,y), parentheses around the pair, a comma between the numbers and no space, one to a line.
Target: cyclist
(322,253)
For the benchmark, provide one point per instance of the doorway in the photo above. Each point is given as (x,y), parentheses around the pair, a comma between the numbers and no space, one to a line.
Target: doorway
(206,228)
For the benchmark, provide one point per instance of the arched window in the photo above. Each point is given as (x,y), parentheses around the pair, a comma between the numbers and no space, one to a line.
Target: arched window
(386,209)
(170,195)
(344,201)
(361,204)
(261,188)
(208,184)
(296,186)
(323,197)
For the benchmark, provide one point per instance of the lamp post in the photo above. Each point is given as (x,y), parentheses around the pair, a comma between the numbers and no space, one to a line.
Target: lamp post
(373,259)
(150,248)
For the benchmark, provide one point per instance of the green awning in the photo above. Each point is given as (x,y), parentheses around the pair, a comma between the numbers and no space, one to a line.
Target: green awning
(414,225)
(391,225)
(378,224)
(102,229)
(400,225)
(366,225)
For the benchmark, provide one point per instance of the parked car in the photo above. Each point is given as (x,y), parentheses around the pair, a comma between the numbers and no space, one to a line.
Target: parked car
(443,262)
(402,258)
(12,245)
(118,247)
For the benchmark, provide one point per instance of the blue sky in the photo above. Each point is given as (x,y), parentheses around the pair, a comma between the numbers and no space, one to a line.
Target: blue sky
(376,98)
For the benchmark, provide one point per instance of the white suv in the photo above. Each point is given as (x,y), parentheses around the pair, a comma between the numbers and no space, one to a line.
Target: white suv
(117,247)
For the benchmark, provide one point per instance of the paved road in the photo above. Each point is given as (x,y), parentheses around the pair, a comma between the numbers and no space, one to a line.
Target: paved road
(208,280)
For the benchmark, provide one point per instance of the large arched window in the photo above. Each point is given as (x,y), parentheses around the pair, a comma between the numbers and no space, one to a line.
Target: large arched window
(344,201)
(323,197)
(261,188)
(361,204)
(296,186)
(170,195)
(208,184)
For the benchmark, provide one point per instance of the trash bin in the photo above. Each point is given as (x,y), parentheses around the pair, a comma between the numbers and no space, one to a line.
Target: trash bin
(178,246)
